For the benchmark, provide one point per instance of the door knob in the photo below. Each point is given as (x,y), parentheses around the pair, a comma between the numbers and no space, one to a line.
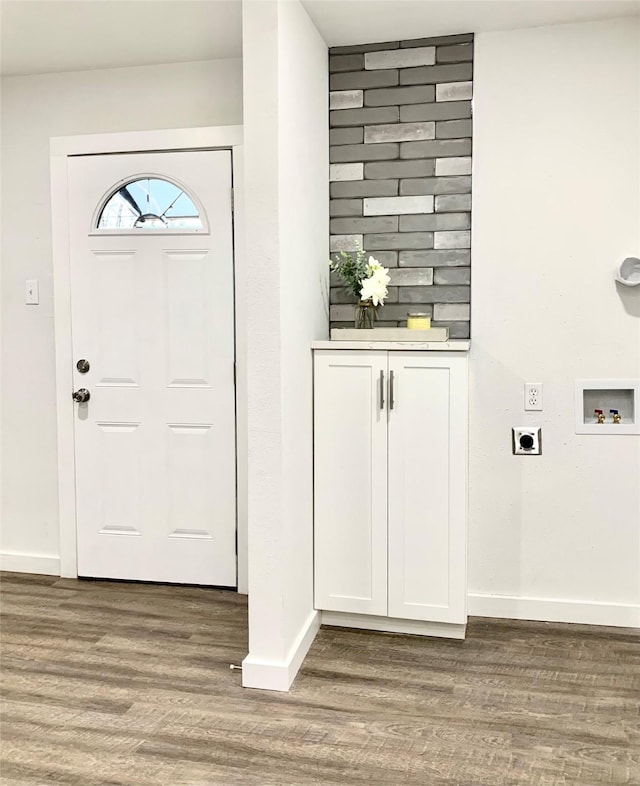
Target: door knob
(81,395)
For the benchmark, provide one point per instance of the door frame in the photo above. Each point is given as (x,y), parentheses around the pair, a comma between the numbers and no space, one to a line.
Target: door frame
(180,139)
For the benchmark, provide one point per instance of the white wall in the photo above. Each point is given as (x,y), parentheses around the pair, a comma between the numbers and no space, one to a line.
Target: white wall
(35,108)
(556,207)
(286,200)
(304,218)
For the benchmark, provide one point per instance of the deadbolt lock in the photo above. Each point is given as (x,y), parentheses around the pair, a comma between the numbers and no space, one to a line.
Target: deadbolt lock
(83,366)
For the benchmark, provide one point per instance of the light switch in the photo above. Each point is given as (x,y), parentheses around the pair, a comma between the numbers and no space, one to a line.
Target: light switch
(31,292)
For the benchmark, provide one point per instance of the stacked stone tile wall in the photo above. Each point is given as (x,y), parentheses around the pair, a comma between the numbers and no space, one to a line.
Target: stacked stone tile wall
(400,174)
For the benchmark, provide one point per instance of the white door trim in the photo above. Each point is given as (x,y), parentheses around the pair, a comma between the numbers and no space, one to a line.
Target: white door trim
(226,137)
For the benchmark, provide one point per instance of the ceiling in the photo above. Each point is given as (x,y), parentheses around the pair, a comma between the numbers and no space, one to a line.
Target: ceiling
(344,22)
(44,36)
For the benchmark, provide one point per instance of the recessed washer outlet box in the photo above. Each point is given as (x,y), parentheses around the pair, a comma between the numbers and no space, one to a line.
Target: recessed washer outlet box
(608,397)
(526,441)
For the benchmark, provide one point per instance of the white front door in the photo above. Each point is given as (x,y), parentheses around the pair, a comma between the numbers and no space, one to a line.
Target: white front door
(153,315)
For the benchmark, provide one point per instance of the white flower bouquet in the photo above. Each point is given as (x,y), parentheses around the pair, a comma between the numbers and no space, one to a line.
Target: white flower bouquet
(367,280)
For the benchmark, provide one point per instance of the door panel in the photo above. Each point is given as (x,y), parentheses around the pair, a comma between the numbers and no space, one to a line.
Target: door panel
(350,483)
(113,279)
(191,450)
(189,354)
(118,470)
(427,478)
(153,314)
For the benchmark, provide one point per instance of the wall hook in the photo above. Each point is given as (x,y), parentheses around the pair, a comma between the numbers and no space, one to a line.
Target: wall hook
(629,272)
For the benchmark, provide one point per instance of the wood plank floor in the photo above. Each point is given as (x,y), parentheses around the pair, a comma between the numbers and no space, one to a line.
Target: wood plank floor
(108,684)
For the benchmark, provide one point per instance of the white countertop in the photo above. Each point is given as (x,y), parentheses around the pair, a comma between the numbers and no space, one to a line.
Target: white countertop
(454,345)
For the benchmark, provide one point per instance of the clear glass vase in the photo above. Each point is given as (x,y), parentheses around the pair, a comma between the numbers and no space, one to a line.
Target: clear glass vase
(366,314)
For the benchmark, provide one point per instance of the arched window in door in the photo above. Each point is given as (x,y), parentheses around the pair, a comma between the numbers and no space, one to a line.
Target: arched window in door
(149,203)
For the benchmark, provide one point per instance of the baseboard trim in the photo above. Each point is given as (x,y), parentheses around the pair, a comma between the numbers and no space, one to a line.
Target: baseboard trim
(445,630)
(279,675)
(554,610)
(17,562)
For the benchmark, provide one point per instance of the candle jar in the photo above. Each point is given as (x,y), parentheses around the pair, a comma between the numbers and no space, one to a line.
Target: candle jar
(418,320)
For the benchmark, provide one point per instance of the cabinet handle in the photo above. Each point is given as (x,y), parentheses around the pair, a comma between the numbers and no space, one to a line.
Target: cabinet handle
(382,390)
(391,391)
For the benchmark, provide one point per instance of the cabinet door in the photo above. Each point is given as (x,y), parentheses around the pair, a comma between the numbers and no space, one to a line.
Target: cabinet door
(427,486)
(350,472)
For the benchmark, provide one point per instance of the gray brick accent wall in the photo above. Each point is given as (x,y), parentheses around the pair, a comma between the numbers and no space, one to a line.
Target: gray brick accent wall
(400,182)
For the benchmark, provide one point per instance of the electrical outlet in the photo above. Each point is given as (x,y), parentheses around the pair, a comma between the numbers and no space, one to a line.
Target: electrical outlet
(526,441)
(533,396)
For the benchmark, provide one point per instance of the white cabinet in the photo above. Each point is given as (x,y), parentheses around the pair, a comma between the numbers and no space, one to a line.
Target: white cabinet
(390,445)
(350,481)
